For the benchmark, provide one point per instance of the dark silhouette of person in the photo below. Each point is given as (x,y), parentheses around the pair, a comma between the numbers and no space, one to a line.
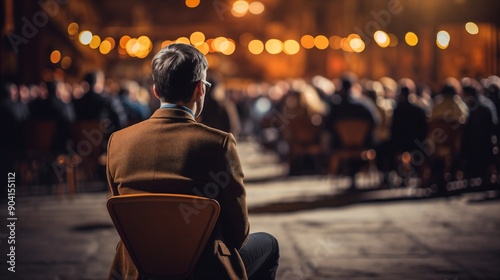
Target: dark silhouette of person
(477,146)
(346,105)
(94,106)
(56,107)
(220,112)
(12,124)
(350,104)
(409,124)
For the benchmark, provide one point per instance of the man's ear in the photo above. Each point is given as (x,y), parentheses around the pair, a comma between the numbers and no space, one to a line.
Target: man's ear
(199,88)
(156,93)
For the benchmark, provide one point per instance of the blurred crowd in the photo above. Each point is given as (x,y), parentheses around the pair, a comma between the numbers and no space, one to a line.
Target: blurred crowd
(401,129)
(41,121)
(406,132)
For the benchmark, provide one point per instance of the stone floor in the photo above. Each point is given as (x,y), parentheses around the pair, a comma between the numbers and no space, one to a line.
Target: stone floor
(323,232)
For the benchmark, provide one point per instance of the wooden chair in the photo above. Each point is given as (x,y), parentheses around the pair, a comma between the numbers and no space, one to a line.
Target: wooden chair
(353,135)
(161,240)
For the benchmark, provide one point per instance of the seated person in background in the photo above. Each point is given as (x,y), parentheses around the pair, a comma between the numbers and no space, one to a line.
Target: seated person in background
(172,153)
(448,105)
(477,146)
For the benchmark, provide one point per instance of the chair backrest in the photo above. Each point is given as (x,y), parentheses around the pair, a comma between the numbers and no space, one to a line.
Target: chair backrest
(353,133)
(164,234)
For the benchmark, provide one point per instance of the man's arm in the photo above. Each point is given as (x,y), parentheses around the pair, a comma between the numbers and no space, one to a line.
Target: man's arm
(233,197)
(113,187)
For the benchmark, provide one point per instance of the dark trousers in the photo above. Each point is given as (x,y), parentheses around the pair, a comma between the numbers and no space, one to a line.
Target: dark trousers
(260,255)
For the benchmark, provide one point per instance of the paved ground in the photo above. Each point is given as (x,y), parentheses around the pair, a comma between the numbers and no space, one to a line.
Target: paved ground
(439,238)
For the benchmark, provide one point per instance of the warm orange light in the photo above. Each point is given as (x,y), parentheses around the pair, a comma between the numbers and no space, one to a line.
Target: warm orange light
(203,48)
(111,42)
(357,45)
(256,8)
(335,42)
(472,28)
(197,38)
(105,47)
(124,40)
(321,42)
(217,42)
(344,43)
(227,47)
(307,41)
(256,47)
(291,47)
(393,40)
(166,43)
(73,28)
(66,62)
(182,40)
(55,56)
(209,43)
(274,46)
(240,8)
(95,42)
(382,39)
(411,39)
(192,3)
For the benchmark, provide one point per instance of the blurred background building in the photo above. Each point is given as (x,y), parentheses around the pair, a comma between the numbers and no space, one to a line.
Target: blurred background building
(262,39)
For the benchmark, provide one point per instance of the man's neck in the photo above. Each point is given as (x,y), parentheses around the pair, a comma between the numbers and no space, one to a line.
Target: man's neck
(190,105)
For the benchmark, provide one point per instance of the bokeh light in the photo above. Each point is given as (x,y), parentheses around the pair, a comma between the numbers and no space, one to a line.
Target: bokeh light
(105,47)
(472,28)
(192,3)
(73,28)
(393,40)
(321,42)
(217,42)
(123,41)
(256,8)
(66,62)
(291,47)
(111,42)
(203,48)
(197,38)
(95,42)
(443,39)
(227,47)
(274,46)
(344,44)
(382,39)
(411,39)
(256,46)
(166,43)
(183,40)
(85,37)
(335,42)
(55,56)
(307,41)
(240,8)
(357,45)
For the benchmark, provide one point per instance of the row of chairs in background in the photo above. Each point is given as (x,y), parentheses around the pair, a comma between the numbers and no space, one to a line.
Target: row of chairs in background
(436,164)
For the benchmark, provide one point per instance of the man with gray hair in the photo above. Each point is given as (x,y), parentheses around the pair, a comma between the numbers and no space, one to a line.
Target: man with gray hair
(172,153)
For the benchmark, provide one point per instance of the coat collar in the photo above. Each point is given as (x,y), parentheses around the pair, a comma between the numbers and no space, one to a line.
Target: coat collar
(172,113)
